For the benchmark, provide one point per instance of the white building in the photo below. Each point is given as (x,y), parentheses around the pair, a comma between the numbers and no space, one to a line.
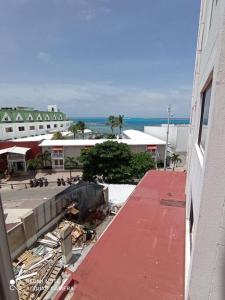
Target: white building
(178,137)
(205,240)
(22,122)
(60,149)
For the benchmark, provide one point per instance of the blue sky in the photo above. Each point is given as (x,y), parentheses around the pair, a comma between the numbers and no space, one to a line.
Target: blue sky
(99,57)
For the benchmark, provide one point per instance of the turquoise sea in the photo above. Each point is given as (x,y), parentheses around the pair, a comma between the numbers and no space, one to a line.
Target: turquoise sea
(98,124)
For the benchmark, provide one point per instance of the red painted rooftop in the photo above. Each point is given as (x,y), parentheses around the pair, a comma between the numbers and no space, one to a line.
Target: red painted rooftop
(141,254)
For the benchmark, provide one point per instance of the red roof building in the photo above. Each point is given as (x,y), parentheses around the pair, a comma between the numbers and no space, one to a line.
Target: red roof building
(142,253)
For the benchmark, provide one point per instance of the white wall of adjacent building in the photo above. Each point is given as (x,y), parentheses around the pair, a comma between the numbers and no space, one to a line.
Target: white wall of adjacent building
(26,129)
(205,189)
(178,137)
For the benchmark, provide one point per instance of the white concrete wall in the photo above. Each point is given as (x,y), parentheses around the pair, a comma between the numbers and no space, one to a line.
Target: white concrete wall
(61,126)
(178,135)
(206,171)
(160,132)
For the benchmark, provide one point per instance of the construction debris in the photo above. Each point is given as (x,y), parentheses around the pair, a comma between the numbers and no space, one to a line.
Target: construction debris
(37,269)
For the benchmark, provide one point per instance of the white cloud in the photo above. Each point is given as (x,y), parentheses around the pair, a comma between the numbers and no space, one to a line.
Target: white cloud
(98,99)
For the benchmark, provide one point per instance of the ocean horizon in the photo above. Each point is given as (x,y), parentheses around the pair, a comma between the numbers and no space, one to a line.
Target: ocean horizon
(97,124)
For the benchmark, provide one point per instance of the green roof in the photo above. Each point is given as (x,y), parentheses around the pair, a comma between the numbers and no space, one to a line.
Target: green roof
(13,116)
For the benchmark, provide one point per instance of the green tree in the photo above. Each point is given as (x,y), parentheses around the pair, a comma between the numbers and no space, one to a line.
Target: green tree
(57,136)
(175,158)
(112,122)
(120,122)
(34,164)
(70,163)
(111,136)
(44,158)
(81,126)
(110,160)
(74,129)
(141,163)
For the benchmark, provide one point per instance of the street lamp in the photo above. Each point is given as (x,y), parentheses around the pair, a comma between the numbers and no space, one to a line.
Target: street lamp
(167,134)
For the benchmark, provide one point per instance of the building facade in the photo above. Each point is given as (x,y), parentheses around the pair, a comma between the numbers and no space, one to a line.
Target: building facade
(205,188)
(178,138)
(22,122)
(60,149)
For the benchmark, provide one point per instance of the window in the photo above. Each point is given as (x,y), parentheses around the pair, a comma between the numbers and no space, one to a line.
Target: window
(32,127)
(6,118)
(41,127)
(48,126)
(39,118)
(61,125)
(55,125)
(191,224)
(9,129)
(19,118)
(21,128)
(206,97)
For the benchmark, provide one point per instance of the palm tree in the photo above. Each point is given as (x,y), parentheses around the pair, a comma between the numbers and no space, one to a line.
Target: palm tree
(120,122)
(81,126)
(33,164)
(57,136)
(175,158)
(74,129)
(44,157)
(70,163)
(112,122)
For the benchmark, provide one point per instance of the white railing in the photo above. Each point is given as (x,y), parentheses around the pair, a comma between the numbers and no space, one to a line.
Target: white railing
(57,155)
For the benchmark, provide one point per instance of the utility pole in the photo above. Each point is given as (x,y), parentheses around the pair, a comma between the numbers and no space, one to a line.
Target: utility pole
(7,283)
(167,134)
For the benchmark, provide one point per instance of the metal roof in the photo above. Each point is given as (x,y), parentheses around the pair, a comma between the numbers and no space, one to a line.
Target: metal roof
(15,149)
(88,142)
(20,115)
(142,253)
(40,137)
(139,135)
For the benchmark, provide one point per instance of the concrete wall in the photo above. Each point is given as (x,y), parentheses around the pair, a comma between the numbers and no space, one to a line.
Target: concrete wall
(36,223)
(178,138)
(178,135)
(205,267)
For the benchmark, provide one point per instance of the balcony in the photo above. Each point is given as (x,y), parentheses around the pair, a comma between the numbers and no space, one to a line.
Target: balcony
(57,155)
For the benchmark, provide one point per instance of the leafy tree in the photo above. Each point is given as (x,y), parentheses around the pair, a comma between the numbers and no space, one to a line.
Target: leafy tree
(111,160)
(33,164)
(70,163)
(74,129)
(57,136)
(81,126)
(120,122)
(44,158)
(141,163)
(111,136)
(175,158)
(112,122)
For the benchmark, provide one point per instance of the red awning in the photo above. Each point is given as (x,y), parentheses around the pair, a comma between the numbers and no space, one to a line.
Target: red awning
(57,148)
(152,147)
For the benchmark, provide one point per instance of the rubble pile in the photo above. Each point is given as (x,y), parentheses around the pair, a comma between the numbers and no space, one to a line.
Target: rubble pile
(37,269)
